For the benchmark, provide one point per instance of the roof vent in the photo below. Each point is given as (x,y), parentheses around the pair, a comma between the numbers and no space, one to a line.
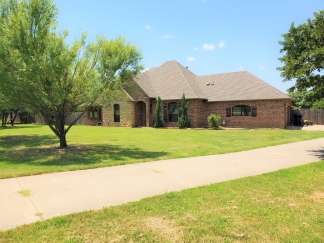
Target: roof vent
(207,84)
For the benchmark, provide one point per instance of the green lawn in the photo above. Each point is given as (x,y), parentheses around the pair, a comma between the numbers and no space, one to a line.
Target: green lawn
(32,149)
(282,206)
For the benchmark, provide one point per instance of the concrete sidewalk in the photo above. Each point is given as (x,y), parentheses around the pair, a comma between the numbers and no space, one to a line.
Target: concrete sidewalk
(68,192)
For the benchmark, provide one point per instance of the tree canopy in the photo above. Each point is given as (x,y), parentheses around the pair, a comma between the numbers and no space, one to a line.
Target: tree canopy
(301,101)
(303,48)
(52,76)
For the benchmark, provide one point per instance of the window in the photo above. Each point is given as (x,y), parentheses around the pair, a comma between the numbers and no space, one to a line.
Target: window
(173,112)
(116,113)
(228,111)
(179,110)
(94,113)
(254,111)
(241,110)
(165,112)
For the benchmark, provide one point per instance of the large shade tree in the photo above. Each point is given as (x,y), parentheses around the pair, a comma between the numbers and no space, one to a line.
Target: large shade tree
(51,76)
(303,48)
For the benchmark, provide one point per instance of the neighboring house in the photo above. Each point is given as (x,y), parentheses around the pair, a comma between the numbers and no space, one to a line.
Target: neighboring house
(240,98)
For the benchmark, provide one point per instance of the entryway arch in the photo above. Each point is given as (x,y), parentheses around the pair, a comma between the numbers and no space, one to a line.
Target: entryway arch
(140,114)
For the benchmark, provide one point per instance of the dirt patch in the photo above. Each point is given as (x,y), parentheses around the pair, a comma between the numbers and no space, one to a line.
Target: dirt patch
(165,228)
(317,196)
(191,217)
(69,148)
(293,204)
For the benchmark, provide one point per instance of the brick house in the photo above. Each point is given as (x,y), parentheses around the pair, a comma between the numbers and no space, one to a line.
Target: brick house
(240,98)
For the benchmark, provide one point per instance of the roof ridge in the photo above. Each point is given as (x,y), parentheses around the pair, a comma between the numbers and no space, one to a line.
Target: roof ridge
(193,91)
(223,73)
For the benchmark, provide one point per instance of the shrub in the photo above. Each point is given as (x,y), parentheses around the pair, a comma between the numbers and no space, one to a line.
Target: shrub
(183,121)
(157,120)
(214,120)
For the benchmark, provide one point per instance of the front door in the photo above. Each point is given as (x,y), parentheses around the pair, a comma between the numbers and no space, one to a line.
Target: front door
(140,114)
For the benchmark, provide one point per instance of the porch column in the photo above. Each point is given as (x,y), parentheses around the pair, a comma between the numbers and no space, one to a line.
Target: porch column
(134,115)
(147,107)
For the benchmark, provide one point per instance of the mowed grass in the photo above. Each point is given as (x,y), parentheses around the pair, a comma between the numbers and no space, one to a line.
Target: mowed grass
(282,206)
(32,149)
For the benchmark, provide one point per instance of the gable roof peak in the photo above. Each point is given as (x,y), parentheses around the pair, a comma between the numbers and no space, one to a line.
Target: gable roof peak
(170,81)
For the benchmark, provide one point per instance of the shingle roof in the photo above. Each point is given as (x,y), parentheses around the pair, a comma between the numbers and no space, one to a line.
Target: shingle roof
(143,80)
(171,80)
(237,86)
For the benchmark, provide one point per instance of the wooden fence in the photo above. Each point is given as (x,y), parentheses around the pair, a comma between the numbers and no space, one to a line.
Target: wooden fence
(316,116)
(40,120)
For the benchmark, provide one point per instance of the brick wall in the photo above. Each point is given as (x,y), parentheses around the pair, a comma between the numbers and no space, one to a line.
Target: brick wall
(142,104)
(196,112)
(91,122)
(270,113)
(126,114)
(133,90)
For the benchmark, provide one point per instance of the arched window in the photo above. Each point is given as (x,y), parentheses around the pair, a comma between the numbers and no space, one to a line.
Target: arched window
(241,110)
(173,112)
(116,113)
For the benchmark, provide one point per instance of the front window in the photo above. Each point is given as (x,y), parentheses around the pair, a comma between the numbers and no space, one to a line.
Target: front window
(93,113)
(241,110)
(116,113)
(173,112)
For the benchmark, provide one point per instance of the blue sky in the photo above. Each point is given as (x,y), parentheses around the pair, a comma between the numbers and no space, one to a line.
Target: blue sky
(208,36)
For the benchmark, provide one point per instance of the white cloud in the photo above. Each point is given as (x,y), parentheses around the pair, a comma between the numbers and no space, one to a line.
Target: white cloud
(258,66)
(241,68)
(191,59)
(208,47)
(167,36)
(147,27)
(221,44)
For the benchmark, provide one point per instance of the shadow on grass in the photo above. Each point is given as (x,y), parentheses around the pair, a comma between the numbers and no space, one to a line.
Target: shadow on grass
(318,153)
(43,150)
(27,141)
(19,126)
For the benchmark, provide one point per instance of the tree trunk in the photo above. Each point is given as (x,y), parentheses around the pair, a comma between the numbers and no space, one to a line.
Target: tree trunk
(62,132)
(63,143)
(13,117)
(4,118)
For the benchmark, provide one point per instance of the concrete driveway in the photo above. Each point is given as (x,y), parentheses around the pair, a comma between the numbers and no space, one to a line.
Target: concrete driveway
(307,128)
(69,192)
